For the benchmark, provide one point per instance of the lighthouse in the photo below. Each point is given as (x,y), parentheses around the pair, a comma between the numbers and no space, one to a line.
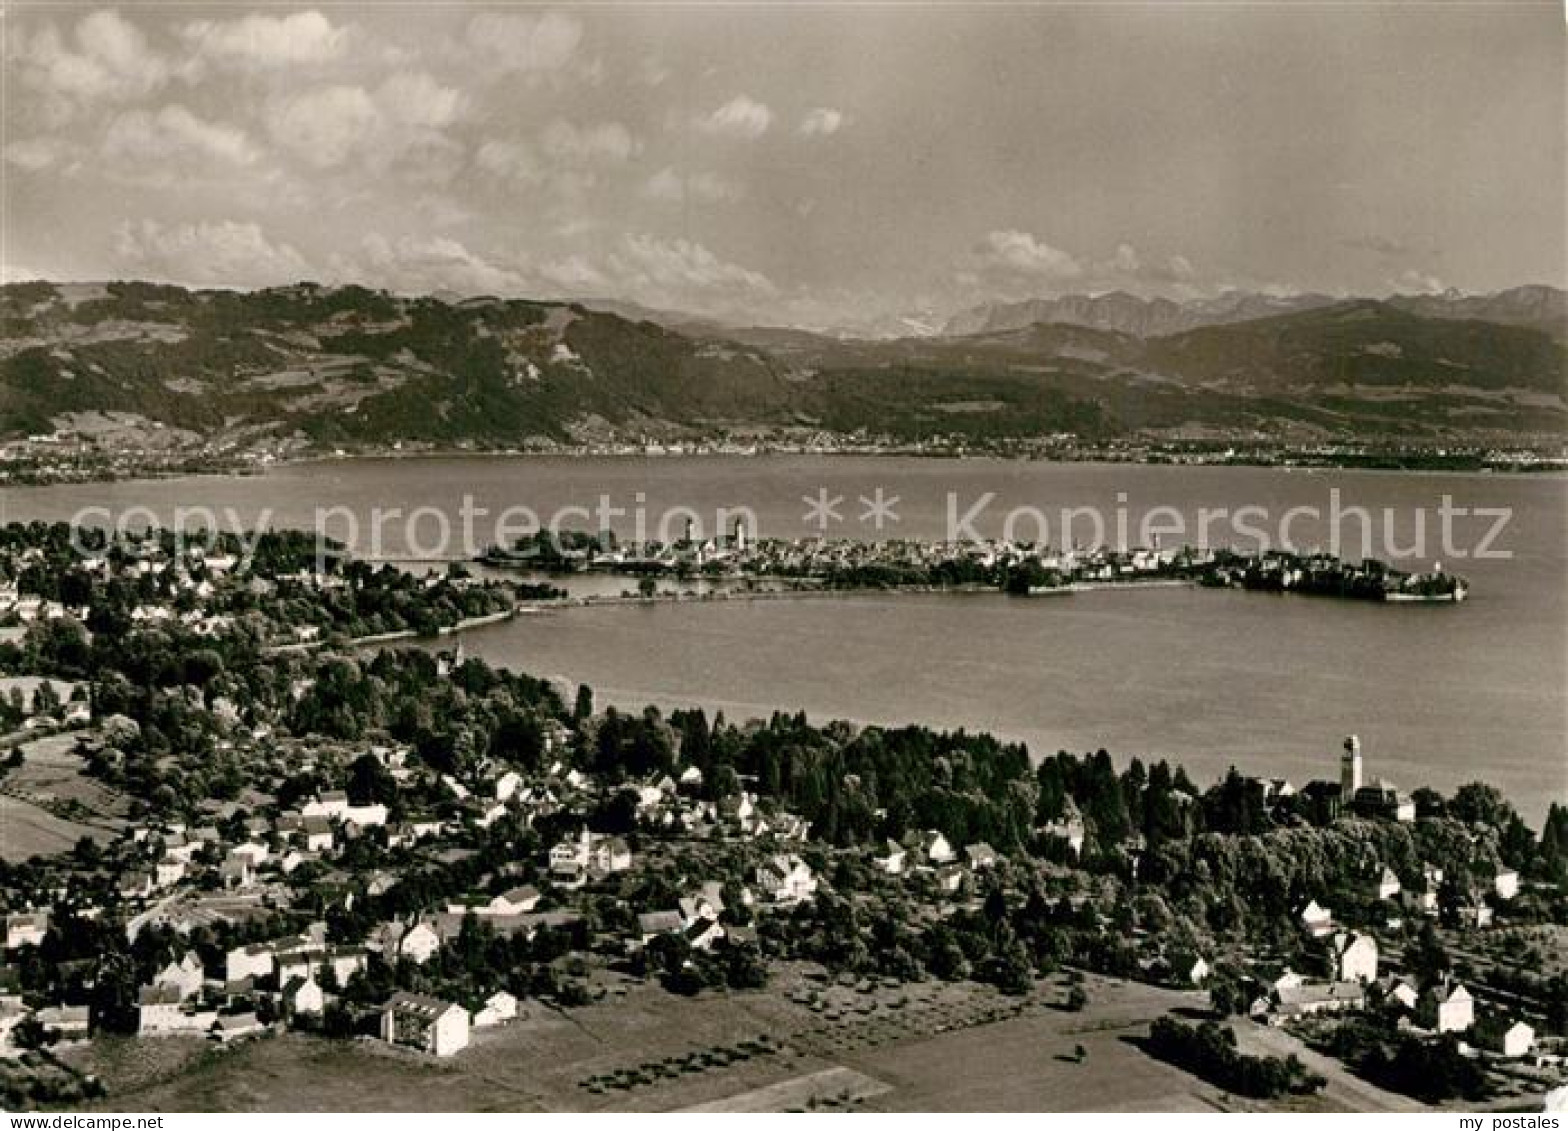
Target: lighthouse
(1350,769)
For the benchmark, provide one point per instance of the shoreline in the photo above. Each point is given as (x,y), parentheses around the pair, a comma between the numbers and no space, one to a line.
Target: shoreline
(293,463)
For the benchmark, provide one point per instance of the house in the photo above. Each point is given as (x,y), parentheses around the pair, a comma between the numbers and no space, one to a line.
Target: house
(499,1008)
(253,961)
(514,901)
(652,924)
(1388,885)
(1403,992)
(936,849)
(168,871)
(1383,801)
(786,879)
(609,855)
(185,976)
(980,856)
(1471,912)
(251,852)
(12,1013)
(303,995)
(707,903)
(703,934)
(949,878)
(1516,1040)
(891,859)
(424,1023)
(236,872)
(1355,957)
(1189,969)
(333,803)
(1319,997)
(1317,920)
(1448,1008)
(394,941)
(161,1009)
(26,928)
(507,785)
(1069,829)
(67,1022)
(316,831)
(1506,883)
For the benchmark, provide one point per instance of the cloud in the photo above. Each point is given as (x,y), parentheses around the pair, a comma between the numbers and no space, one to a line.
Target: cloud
(574,274)
(606,143)
(267,41)
(425,265)
(107,59)
(1125,260)
(404,116)
(416,99)
(221,253)
(1377,245)
(1019,255)
(740,117)
(824,121)
(657,269)
(509,160)
(326,125)
(34,154)
(670,187)
(525,42)
(173,134)
(1418,282)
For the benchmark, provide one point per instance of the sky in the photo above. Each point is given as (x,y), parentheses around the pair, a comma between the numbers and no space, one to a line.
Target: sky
(808,165)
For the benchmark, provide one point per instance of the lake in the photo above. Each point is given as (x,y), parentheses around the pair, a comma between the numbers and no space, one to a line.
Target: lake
(1440,695)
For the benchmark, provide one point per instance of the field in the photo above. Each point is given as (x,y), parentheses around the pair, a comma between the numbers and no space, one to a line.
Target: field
(802,1044)
(48,803)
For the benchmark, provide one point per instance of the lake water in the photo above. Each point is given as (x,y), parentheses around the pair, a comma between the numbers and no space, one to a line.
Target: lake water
(1440,695)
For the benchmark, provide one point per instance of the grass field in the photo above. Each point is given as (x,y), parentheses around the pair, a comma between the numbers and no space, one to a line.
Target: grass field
(803,1043)
(48,803)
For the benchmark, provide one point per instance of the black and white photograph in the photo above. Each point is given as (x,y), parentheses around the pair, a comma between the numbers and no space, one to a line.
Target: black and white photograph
(749,557)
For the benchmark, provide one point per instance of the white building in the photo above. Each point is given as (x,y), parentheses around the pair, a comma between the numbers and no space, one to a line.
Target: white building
(1355,958)
(425,1023)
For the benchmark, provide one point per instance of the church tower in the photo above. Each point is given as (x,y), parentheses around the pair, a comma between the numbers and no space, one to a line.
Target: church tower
(1350,769)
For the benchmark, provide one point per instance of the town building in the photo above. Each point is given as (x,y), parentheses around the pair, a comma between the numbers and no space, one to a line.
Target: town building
(425,1023)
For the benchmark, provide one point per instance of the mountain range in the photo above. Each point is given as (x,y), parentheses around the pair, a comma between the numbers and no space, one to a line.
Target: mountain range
(348,366)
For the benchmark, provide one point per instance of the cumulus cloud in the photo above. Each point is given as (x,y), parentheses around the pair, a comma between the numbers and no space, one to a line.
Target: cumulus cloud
(1021,255)
(1418,282)
(525,42)
(573,274)
(605,143)
(327,126)
(267,41)
(104,59)
(221,253)
(173,134)
(509,160)
(824,121)
(416,99)
(423,265)
(324,126)
(35,154)
(741,117)
(672,188)
(658,269)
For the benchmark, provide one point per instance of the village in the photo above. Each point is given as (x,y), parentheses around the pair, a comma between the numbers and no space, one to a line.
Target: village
(411,849)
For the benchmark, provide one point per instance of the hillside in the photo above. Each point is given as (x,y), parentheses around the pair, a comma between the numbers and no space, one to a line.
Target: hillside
(350,364)
(312,366)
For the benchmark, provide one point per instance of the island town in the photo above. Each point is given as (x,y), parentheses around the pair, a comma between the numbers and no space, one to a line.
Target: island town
(232,829)
(1017,567)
